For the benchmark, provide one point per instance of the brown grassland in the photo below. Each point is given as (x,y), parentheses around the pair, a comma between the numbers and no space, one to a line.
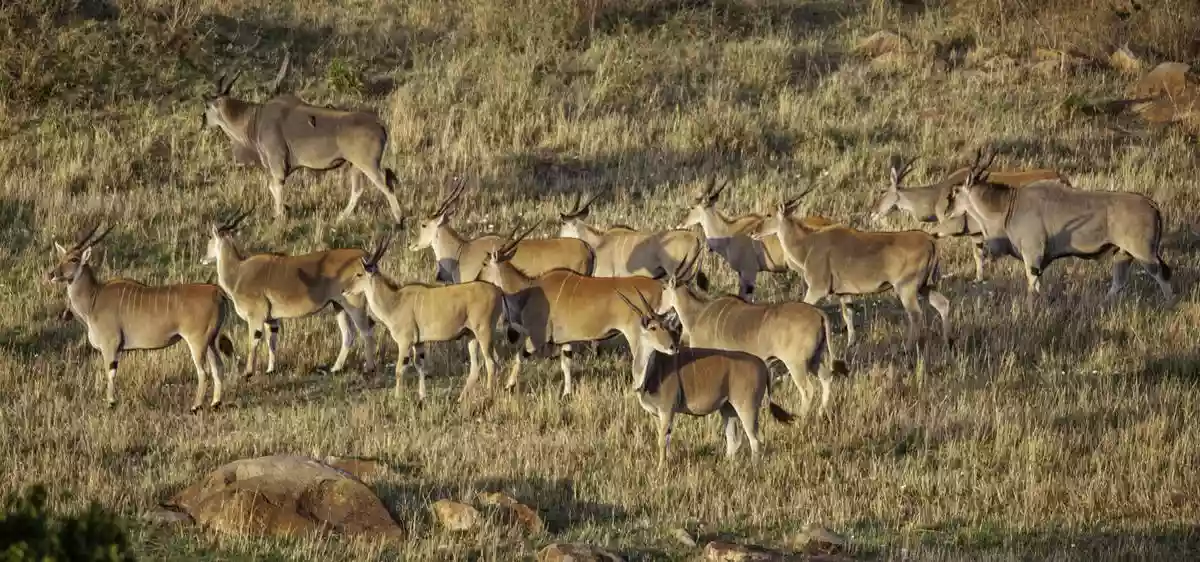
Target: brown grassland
(1068,432)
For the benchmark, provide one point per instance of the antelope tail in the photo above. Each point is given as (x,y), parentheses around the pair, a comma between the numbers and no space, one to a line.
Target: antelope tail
(780,415)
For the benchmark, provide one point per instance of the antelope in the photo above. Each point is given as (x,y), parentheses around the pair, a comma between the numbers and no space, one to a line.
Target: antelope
(269,287)
(1049,219)
(123,315)
(285,133)
(796,334)
(699,381)
(561,307)
(845,262)
(417,313)
(460,259)
(929,203)
(622,251)
(731,239)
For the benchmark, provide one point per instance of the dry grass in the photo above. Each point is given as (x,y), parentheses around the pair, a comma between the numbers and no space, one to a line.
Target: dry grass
(1066,433)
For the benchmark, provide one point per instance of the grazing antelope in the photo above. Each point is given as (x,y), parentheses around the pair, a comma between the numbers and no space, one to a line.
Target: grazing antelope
(843,261)
(731,239)
(460,259)
(123,314)
(699,381)
(267,288)
(1048,220)
(797,334)
(930,202)
(284,133)
(622,251)
(561,307)
(417,313)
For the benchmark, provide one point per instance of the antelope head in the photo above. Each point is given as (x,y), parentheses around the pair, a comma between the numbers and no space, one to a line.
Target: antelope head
(73,259)
(219,106)
(654,331)
(960,198)
(674,281)
(703,203)
(222,236)
(361,282)
(572,220)
(503,253)
(892,196)
(428,232)
(774,222)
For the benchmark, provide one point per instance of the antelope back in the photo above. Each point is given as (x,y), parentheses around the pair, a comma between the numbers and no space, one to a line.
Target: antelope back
(589,307)
(294,284)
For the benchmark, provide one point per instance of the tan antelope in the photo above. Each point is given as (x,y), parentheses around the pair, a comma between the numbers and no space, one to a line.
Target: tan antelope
(699,381)
(928,203)
(267,288)
(842,261)
(460,259)
(622,251)
(284,133)
(731,239)
(1048,220)
(561,307)
(123,315)
(416,313)
(796,334)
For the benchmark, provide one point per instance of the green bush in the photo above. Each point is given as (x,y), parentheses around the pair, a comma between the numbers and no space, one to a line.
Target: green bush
(29,531)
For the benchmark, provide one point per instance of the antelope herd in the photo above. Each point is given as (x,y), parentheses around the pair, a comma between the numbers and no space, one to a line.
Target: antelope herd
(691,352)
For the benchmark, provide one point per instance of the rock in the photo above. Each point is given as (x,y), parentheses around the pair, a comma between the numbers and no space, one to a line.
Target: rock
(717,551)
(456,516)
(1170,78)
(1052,62)
(881,43)
(1168,94)
(285,495)
(684,537)
(576,552)
(166,517)
(815,539)
(1123,60)
(514,511)
(989,59)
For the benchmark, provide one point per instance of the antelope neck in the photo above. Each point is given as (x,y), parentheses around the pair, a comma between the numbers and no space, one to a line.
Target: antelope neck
(82,291)
(229,259)
(447,243)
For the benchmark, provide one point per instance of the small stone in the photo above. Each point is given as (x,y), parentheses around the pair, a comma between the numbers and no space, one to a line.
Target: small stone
(576,552)
(167,517)
(717,551)
(1123,60)
(684,537)
(456,516)
(815,539)
(361,467)
(516,511)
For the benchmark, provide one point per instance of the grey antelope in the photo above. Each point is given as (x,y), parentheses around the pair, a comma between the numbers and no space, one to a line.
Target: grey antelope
(699,381)
(123,314)
(622,251)
(1049,219)
(845,262)
(460,259)
(284,133)
(416,313)
(796,334)
(269,287)
(561,307)
(731,239)
(929,203)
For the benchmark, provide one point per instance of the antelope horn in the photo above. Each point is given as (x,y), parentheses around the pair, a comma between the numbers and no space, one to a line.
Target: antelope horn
(574,208)
(719,190)
(283,68)
(93,240)
(630,303)
(452,197)
(583,208)
(899,173)
(381,248)
(224,89)
(82,239)
(645,303)
(790,203)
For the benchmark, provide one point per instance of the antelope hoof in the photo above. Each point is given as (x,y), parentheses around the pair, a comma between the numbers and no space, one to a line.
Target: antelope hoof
(215,406)
(420,405)
(112,404)
(195,409)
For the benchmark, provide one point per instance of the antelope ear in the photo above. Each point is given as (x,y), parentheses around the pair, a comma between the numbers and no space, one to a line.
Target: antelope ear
(645,321)
(442,218)
(60,248)
(87,253)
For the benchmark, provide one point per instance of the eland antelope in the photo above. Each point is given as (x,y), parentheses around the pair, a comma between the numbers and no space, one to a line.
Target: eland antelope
(417,313)
(123,315)
(268,287)
(284,133)
(1049,219)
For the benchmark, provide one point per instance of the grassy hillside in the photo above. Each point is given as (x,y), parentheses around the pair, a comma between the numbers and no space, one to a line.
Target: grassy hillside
(1068,431)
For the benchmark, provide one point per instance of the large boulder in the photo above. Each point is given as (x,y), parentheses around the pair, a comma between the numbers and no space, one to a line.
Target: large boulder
(285,495)
(576,552)
(1169,94)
